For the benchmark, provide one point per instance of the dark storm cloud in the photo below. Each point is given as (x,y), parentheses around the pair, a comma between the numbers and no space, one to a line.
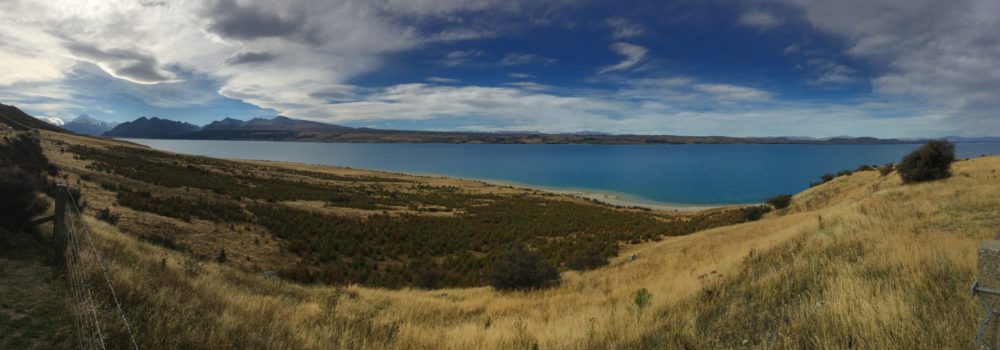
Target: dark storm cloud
(230,20)
(127,64)
(251,57)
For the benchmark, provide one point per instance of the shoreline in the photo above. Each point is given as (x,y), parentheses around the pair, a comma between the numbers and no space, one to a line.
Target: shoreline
(603,197)
(606,197)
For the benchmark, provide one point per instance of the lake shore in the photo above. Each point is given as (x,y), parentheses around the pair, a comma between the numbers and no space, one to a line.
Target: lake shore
(618,200)
(607,198)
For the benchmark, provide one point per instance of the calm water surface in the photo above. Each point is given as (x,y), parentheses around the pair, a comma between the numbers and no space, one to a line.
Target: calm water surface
(673,174)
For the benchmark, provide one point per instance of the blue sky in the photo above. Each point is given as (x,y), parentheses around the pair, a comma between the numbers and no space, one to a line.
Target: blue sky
(887,68)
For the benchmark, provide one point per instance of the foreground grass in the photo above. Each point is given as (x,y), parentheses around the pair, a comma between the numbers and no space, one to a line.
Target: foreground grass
(888,267)
(32,296)
(861,261)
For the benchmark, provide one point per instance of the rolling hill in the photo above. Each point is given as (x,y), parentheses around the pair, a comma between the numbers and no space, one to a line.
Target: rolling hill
(862,261)
(18,120)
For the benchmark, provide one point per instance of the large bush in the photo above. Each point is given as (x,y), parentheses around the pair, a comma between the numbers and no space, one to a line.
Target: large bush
(26,153)
(780,201)
(931,161)
(523,270)
(588,259)
(22,167)
(20,202)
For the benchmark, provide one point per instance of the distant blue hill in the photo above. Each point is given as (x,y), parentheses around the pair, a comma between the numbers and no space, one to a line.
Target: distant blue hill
(986,139)
(152,128)
(287,129)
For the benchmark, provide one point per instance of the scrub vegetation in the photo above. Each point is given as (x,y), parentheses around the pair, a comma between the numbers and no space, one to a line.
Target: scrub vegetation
(861,261)
(410,231)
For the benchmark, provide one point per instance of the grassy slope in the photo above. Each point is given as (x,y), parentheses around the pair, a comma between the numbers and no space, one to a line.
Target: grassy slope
(887,266)
(32,297)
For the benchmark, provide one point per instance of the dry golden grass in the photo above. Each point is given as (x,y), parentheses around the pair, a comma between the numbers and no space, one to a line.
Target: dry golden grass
(862,261)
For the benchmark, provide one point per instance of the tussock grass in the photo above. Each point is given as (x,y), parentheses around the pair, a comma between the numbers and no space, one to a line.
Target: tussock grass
(861,261)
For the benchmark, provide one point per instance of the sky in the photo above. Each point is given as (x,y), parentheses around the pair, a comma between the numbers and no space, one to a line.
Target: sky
(884,68)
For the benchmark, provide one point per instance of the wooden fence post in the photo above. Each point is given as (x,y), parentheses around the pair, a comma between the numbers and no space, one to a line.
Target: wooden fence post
(987,290)
(59,222)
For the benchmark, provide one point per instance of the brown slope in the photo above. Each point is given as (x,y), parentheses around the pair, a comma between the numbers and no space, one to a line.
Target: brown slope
(17,119)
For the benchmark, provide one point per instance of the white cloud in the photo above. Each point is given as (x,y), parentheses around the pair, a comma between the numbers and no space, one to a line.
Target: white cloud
(442,80)
(514,59)
(279,55)
(726,92)
(649,106)
(941,52)
(52,120)
(299,58)
(760,20)
(633,55)
(457,58)
(624,28)
(529,85)
(828,72)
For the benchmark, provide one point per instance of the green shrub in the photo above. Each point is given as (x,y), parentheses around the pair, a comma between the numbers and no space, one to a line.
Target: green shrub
(780,201)
(26,153)
(428,279)
(107,216)
(886,169)
(931,161)
(641,299)
(754,213)
(588,259)
(823,179)
(19,203)
(522,270)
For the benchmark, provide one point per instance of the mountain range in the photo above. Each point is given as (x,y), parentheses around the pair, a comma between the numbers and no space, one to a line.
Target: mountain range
(287,129)
(152,128)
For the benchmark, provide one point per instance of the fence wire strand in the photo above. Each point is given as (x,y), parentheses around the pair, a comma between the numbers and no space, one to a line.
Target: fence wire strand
(87,308)
(982,332)
(82,289)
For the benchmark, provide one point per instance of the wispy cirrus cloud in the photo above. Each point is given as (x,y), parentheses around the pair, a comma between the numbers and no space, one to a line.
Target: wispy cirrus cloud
(760,19)
(442,80)
(516,59)
(633,55)
(623,28)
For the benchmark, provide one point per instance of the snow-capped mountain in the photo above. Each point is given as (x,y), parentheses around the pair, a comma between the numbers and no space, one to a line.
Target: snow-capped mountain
(85,124)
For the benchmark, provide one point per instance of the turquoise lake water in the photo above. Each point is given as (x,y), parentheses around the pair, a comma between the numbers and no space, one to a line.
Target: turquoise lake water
(669,174)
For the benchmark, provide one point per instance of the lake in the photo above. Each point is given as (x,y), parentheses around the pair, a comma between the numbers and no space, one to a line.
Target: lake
(655,174)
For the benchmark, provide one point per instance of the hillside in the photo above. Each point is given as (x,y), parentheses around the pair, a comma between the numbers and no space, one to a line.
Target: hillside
(370,228)
(18,120)
(861,261)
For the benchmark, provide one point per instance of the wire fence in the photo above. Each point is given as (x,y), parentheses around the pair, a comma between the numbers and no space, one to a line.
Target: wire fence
(82,256)
(986,333)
